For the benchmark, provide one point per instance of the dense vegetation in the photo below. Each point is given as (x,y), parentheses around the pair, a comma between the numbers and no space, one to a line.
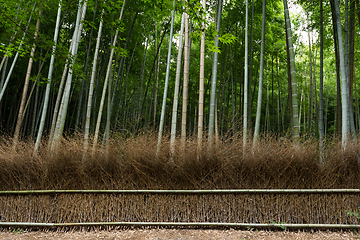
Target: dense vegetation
(133,164)
(104,68)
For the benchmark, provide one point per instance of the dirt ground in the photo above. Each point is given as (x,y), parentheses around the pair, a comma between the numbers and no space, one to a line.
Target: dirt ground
(178,234)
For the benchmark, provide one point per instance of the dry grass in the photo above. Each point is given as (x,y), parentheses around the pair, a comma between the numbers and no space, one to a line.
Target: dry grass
(131,163)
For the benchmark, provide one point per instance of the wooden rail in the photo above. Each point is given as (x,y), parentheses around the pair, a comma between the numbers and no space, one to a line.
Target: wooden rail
(213,191)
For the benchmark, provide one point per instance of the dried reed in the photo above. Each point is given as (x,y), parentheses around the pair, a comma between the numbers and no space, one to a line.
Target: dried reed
(131,163)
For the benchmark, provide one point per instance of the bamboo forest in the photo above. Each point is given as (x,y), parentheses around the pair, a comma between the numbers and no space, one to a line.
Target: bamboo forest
(190,68)
(116,111)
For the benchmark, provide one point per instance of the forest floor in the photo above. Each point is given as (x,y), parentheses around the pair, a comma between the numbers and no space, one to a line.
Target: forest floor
(179,234)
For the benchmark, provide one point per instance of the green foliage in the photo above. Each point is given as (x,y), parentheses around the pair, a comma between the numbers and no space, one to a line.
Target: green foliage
(17,231)
(195,11)
(354,214)
(9,49)
(42,81)
(227,38)
(78,69)
(212,48)
(120,51)
(15,13)
(279,224)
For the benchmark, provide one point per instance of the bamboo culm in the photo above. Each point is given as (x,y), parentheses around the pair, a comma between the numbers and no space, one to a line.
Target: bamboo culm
(92,82)
(96,136)
(60,123)
(344,92)
(293,73)
(48,85)
(261,76)
(176,89)
(321,101)
(185,83)
(26,86)
(201,82)
(163,108)
(214,77)
(246,79)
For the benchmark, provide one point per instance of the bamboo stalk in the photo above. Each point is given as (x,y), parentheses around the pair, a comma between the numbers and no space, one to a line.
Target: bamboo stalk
(205,191)
(198,224)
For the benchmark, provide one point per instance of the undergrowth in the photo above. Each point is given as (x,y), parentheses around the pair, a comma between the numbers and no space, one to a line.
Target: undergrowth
(132,163)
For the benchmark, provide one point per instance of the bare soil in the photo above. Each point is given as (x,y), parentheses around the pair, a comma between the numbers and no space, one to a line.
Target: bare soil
(179,234)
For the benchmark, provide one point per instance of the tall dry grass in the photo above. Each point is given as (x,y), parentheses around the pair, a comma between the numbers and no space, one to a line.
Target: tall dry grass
(131,163)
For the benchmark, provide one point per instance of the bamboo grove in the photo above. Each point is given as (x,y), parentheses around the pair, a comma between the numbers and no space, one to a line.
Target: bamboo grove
(202,69)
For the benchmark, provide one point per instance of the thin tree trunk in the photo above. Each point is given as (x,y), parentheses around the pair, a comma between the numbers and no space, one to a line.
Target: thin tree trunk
(186,78)
(92,82)
(233,104)
(96,135)
(66,97)
(222,86)
(293,73)
(272,120)
(311,82)
(267,112)
(3,75)
(246,79)
(123,92)
(315,105)
(106,136)
(351,59)
(346,43)
(48,85)
(325,114)
(58,98)
(162,117)
(139,112)
(214,77)
(261,76)
(176,90)
(84,81)
(356,107)
(301,106)
(338,88)
(224,104)
(157,68)
(344,92)
(351,46)
(35,108)
(151,71)
(321,102)
(120,73)
(250,66)
(26,85)
(289,87)
(60,91)
(281,111)
(350,116)
(201,82)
